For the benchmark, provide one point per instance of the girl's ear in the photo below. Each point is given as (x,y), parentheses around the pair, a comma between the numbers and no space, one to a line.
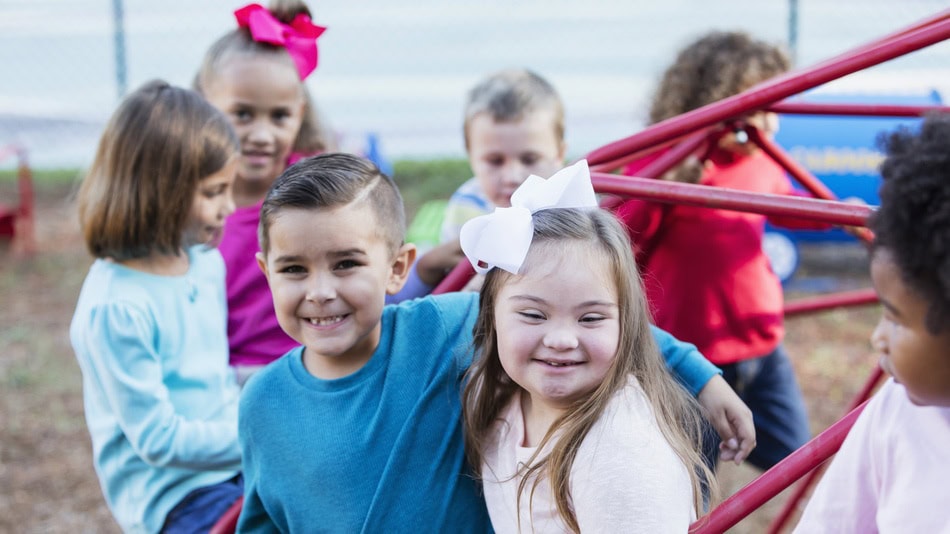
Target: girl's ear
(262,265)
(401,266)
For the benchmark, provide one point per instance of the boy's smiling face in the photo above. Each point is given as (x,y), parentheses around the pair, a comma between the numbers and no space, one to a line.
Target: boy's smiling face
(329,271)
(503,154)
(916,358)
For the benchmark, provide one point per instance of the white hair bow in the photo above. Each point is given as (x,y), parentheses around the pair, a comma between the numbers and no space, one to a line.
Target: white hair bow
(501,239)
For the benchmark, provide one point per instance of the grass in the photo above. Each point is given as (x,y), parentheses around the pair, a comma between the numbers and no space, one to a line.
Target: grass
(43,176)
(419,180)
(423,180)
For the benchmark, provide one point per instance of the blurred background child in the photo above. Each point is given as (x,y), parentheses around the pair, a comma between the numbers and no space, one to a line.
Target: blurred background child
(257,80)
(572,419)
(707,278)
(513,128)
(149,329)
(890,474)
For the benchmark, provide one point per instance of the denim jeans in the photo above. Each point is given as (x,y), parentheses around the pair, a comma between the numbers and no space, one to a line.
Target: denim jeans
(769,387)
(202,508)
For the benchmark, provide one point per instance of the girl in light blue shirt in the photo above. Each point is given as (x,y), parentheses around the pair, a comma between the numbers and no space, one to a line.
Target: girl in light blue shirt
(149,329)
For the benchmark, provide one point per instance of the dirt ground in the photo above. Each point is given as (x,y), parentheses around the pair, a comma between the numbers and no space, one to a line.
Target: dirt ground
(47,482)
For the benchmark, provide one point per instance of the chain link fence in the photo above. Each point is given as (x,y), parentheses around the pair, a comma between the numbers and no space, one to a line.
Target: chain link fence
(401,69)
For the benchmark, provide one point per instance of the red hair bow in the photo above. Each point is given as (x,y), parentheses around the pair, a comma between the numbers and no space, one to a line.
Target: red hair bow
(299,37)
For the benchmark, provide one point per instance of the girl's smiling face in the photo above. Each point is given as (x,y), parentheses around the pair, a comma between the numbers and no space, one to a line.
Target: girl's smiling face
(264,100)
(557,323)
(916,357)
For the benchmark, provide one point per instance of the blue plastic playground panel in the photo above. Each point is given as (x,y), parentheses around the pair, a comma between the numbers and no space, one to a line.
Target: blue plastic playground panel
(843,153)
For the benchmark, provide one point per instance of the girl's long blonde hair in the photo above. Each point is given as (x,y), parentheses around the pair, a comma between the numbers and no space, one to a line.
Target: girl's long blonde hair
(489,389)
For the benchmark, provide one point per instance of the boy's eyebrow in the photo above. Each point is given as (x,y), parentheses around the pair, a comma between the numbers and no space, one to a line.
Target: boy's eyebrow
(288,258)
(347,252)
(292,258)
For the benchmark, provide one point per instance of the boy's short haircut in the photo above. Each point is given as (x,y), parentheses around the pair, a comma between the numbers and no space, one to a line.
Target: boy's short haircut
(158,145)
(332,180)
(508,94)
(913,222)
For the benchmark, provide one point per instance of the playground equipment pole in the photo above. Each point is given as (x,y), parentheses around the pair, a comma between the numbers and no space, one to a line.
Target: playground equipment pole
(772,91)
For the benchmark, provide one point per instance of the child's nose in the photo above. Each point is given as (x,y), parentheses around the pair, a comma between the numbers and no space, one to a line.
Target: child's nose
(879,337)
(260,132)
(560,339)
(514,173)
(321,289)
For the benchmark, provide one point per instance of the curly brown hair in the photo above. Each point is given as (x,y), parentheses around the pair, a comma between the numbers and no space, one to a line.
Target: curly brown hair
(913,222)
(715,66)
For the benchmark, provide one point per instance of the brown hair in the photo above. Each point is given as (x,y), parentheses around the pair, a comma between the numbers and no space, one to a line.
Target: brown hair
(508,94)
(715,66)
(489,389)
(331,180)
(158,145)
(314,135)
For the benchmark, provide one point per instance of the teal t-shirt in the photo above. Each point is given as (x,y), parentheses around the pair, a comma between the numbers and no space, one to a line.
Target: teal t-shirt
(380,450)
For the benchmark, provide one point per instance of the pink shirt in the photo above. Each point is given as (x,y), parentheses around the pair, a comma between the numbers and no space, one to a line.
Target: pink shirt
(625,477)
(254,336)
(892,474)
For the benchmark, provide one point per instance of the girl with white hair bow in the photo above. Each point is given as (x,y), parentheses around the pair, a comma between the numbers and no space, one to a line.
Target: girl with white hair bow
(573,421)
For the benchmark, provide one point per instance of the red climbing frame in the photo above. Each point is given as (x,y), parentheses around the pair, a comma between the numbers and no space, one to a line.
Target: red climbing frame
(689,134)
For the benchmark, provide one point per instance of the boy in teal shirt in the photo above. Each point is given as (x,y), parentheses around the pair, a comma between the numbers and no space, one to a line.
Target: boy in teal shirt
(359,429)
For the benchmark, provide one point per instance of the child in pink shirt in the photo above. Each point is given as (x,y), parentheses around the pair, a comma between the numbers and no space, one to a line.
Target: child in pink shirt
(259,85)
(890,475)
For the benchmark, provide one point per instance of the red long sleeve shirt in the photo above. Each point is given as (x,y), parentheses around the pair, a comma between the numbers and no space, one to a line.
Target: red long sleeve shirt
(706,277)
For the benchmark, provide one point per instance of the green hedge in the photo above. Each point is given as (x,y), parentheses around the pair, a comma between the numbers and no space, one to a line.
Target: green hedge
(423,180)
(419,180)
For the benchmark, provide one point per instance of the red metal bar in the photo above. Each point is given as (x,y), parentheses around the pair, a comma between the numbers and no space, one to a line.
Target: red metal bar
(456,279)
(791,505)
(620,162)
(857,297)
(800,174)
(722,198)
(675,155)
(943,15)
(773,90)
(779,477)
(701,195)
(868,110)
(227,523)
